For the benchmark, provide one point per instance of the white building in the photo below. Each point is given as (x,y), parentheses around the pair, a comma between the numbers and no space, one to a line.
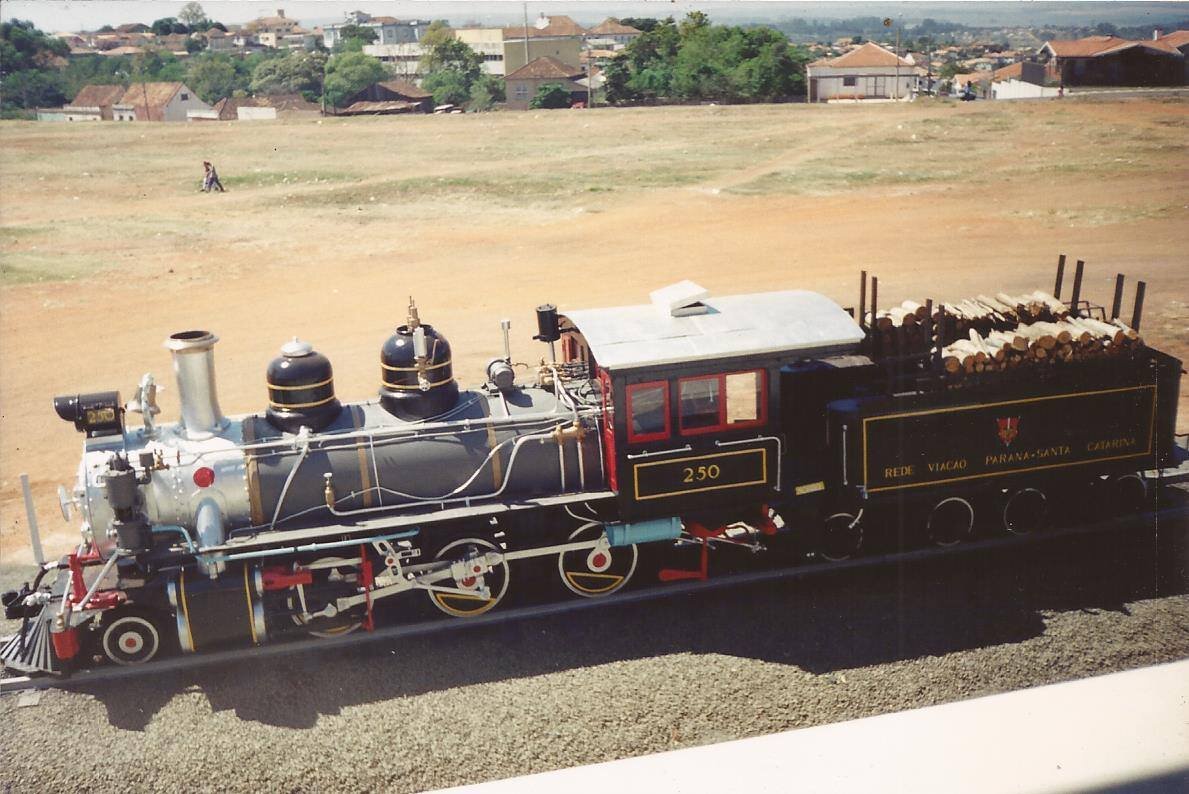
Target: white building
(389,30)
(489,43)
(865,73)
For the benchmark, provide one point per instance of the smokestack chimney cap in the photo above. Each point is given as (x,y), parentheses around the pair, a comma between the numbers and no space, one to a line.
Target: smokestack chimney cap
(183,341)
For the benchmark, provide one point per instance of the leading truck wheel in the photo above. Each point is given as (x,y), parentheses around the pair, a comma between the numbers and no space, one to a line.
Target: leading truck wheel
(130,636)
(477,587)
(591,573)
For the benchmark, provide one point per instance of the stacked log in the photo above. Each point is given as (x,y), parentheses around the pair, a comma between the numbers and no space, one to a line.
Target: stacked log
(1039,344)
(903,330)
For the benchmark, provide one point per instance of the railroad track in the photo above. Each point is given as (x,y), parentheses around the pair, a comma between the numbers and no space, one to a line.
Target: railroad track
(87,677)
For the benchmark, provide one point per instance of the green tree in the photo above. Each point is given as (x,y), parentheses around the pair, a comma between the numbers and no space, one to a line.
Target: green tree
(452,69)
(296,72)
(212,77)
(23,46)
(642,24)
(350,73)
(448,86)
(550,96)
(195,44)
(163,26)
(194,17)
(353,37)
(616,75)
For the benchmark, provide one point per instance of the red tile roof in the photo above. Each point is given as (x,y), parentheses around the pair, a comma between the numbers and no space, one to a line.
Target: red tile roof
(612,27)
(865,56)
(1095,46)
(1008,72)
(406,89)
(97,96)
(150,99)
(545,68)
(1178,38)
(557,26)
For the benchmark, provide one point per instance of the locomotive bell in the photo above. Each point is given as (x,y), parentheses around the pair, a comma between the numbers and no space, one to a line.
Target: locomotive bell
(301,389)
(416,371)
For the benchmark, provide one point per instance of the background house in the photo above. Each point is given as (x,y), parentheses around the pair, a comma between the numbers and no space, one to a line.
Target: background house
(157,102)
(99,97)
(522,85)
(409,97)
(866,72)
(556,37)
(248,108)
(611,33)
(1112,61)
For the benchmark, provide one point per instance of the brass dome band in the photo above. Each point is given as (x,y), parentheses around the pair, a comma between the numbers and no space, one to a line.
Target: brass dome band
(283,398)
(428,367)
(326,382)
(414,387)
(289,406)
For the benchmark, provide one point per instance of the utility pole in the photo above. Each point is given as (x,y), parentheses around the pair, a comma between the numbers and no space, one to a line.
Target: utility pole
(526,34)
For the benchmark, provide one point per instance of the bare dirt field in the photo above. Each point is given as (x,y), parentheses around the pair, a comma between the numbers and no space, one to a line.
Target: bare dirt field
(326,228)
(107,246)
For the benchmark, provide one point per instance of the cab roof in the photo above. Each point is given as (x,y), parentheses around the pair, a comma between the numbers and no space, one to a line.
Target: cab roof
(683,323)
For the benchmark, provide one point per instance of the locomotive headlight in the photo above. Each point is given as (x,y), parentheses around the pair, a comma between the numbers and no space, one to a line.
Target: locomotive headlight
(96,414)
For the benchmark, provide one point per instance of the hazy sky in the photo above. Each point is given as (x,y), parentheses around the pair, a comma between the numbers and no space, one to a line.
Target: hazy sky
(57,15)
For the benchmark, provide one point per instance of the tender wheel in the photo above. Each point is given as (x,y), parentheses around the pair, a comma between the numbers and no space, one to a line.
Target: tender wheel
(329,583)
(130,637)
(842,537)
(1129,494)
(591,573)
(475,578)
(950,521)
(1025,511)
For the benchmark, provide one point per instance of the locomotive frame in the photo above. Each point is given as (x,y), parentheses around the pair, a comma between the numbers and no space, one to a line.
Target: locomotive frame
(691,421)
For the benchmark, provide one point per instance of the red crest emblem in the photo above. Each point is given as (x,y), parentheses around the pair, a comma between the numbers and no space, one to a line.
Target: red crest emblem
(1009,428)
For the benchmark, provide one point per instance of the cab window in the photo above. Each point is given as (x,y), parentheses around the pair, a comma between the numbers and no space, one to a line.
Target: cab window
(722,402)
(648,411)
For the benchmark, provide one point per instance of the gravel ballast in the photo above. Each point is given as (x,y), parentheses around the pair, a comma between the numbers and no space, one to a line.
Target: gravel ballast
(540,694)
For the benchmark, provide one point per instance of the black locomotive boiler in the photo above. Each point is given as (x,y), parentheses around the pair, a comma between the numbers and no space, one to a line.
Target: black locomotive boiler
(768,421)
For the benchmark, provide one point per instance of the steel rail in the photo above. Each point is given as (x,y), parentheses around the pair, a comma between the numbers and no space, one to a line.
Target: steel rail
(183,663)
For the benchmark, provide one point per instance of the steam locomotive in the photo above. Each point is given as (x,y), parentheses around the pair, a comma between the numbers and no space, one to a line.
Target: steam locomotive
(765,422)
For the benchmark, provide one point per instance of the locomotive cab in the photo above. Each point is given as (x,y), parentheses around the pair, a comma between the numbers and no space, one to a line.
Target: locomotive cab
(691,391)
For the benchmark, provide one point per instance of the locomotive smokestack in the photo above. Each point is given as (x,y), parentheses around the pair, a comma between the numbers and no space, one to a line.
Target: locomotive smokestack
(194,366)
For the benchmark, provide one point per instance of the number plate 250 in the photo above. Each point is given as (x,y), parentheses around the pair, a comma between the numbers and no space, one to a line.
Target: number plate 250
(721,470)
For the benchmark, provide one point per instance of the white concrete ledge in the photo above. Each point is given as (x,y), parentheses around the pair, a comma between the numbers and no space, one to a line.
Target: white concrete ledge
(1120,732)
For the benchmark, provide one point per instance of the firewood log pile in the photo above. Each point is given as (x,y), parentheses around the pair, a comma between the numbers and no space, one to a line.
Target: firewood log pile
(991,333)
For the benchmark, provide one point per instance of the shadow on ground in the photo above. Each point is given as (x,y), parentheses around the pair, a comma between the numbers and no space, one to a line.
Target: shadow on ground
(842,620)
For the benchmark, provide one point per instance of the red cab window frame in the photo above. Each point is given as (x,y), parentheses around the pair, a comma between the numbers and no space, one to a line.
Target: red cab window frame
(722,426)
(660,435)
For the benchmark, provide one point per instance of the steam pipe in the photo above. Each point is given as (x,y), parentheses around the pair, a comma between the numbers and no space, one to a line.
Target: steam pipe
(194,367)
(1118,303)
(1060,276)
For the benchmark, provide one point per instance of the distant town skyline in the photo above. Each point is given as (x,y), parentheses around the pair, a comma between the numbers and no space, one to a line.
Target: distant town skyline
(60,15)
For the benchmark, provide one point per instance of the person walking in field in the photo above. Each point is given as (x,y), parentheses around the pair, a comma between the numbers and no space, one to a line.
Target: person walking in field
(210,180)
